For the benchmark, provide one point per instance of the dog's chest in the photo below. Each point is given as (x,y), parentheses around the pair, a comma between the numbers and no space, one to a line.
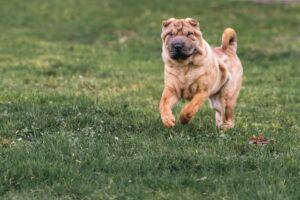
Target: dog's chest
(186,81)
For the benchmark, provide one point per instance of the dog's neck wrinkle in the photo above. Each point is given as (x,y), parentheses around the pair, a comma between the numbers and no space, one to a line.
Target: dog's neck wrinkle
(184,67)
(201,58)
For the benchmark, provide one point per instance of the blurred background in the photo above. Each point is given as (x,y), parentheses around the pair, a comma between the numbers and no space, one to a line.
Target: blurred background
(71,38)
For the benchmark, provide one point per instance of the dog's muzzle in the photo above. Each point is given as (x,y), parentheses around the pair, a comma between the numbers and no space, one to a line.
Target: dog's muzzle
(179,50)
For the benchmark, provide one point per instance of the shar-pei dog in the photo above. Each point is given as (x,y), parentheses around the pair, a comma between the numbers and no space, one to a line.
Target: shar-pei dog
(195,71)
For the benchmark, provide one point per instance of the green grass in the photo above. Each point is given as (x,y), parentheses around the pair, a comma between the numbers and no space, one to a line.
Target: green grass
(80,84)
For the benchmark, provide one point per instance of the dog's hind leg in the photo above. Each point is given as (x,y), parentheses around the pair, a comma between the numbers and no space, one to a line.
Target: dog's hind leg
(228,121)
(218,104)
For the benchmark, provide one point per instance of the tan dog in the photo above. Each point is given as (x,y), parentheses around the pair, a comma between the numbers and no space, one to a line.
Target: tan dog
(196,72)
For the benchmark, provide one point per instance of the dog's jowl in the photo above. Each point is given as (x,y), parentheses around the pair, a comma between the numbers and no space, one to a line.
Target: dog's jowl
(197,72)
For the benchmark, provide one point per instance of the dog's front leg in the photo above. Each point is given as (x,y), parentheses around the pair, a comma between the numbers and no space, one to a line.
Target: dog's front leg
(168,100)
(192,107)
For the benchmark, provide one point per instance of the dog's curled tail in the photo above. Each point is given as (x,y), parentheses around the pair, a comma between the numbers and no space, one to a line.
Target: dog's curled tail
(229,39)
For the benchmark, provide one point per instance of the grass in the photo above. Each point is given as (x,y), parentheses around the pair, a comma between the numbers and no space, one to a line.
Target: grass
(80,87)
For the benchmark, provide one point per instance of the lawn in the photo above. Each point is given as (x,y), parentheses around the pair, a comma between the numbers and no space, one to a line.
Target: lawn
(80,84)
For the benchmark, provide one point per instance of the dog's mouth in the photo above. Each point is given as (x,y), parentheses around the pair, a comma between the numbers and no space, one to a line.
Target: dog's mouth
(182,55)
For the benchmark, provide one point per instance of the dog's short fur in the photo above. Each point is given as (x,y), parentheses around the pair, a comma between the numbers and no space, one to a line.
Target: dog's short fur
(196,72)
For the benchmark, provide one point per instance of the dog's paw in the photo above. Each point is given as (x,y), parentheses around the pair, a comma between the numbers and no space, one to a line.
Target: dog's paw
(168,121)
(219,123)
(185,117)
(226,125)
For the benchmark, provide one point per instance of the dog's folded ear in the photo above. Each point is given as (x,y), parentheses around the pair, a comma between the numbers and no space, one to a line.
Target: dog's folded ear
(167,22)
(193,22)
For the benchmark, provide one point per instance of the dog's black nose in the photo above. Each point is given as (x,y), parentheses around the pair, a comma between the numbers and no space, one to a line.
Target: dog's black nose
(178,46)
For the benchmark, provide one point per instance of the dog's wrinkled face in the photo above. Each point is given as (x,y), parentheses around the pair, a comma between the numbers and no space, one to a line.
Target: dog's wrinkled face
(181,38)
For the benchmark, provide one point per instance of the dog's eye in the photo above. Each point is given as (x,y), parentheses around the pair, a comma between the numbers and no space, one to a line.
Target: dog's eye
(170,34)
(190,33)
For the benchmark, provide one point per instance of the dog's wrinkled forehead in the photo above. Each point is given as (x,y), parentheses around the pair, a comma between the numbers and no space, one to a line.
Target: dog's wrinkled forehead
(180,23)
(179,26)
